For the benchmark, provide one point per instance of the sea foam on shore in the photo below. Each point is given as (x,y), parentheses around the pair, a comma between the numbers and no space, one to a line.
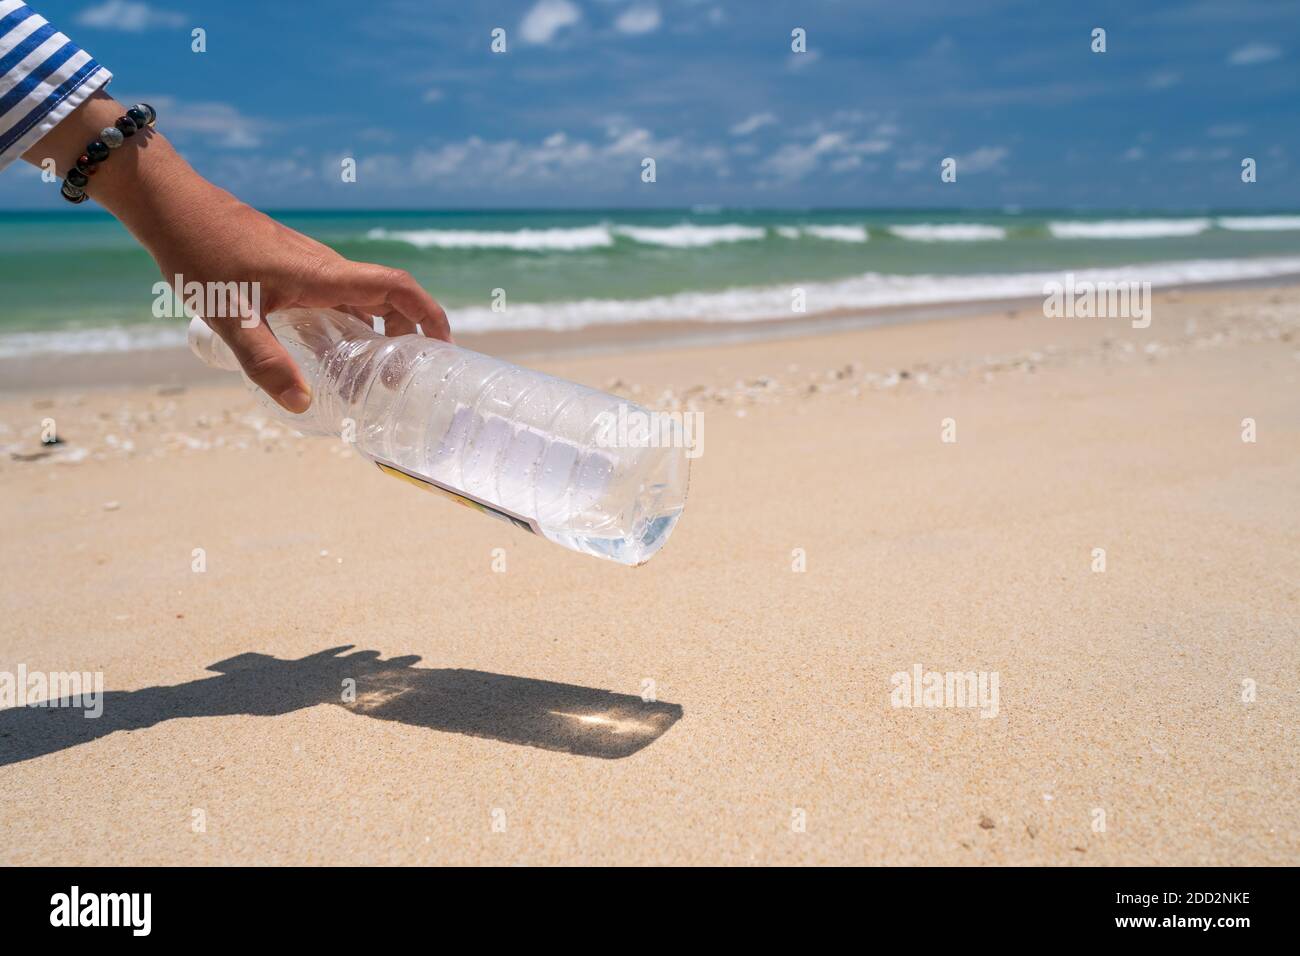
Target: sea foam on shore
(870,291)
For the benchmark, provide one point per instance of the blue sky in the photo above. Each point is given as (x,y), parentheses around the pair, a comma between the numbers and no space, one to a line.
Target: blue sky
(711,90)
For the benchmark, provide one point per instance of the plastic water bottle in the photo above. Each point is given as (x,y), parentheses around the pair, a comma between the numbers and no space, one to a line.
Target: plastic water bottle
(516,444)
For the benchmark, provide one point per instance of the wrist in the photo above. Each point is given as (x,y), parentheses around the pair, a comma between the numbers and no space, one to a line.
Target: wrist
(156,192)
(144,183)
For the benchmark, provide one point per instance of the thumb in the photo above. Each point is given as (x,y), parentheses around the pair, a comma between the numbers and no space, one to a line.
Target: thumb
(265,361)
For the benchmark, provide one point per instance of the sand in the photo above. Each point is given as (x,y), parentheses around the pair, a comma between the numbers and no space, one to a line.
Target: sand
(1146,714)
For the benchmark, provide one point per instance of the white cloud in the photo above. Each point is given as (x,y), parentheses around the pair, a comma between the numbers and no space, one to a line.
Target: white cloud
(1253,53)
(1193,154)
(631,143)
(796,160)
(128,16)
(432,96)
(982,160)
(547,18)
(641,18)
(257,171)
(752,124)
(558,158)
(214,124)
(1164,80)
(1227,130)
(800,61)
(869,147)
(1133,154)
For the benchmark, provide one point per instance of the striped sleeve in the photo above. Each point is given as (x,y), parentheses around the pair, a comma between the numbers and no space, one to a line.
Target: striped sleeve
(44,76)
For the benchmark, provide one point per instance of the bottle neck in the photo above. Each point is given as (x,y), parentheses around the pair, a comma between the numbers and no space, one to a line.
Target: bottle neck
(327,346)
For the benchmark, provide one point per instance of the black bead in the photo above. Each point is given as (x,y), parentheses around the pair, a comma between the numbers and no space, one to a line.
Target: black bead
(87,168)
(97,152)
(138,117)
(126,125)
(72,193)
(77,177)
(153,113)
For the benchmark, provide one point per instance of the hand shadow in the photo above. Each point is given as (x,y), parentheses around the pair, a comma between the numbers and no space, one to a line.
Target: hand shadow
(579,720)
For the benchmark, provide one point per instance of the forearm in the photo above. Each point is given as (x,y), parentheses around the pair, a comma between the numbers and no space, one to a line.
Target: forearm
(203,234)
(145,183)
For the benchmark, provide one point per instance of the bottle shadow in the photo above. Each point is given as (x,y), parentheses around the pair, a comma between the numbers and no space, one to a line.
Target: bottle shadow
(584,721)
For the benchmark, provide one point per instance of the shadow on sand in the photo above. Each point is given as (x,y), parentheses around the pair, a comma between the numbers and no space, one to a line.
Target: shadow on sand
(516,710)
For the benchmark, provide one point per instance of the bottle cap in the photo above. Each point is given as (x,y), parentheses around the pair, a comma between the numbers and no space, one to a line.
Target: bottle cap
(209,348)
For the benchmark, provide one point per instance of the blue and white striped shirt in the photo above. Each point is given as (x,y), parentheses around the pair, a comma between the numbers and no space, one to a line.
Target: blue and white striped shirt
(44,76)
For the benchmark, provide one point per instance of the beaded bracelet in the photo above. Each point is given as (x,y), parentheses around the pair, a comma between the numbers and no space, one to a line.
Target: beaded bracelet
(141,116)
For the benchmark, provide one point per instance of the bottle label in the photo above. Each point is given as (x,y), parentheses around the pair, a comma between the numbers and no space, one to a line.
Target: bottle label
(460,497)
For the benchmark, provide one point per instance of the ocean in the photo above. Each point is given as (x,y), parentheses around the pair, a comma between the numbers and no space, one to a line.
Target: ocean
(78,283)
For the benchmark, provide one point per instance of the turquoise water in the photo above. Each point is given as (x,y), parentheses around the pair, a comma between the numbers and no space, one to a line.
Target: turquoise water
(62,273)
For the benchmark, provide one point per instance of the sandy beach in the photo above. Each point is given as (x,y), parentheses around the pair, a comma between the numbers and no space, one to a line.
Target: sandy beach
(734,700)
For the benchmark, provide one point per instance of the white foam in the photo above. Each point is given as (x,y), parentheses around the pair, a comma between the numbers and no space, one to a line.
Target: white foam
(683,236)
(81,341)
(1259,223)
(1128,228)
(520,240)
(838,233)
(828,233)
(949,232)
(689,235)
(869,291)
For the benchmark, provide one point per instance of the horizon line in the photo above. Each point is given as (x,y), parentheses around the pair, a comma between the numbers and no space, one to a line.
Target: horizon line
(711,209)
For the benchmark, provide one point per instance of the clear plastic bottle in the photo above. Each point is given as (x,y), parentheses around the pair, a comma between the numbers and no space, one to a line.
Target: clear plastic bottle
(520,445)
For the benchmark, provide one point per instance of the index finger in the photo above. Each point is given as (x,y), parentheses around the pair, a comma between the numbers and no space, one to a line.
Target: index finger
(389,291)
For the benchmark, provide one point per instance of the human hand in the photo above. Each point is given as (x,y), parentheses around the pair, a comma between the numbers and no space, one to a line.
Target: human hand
(200,233)
(223,240)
